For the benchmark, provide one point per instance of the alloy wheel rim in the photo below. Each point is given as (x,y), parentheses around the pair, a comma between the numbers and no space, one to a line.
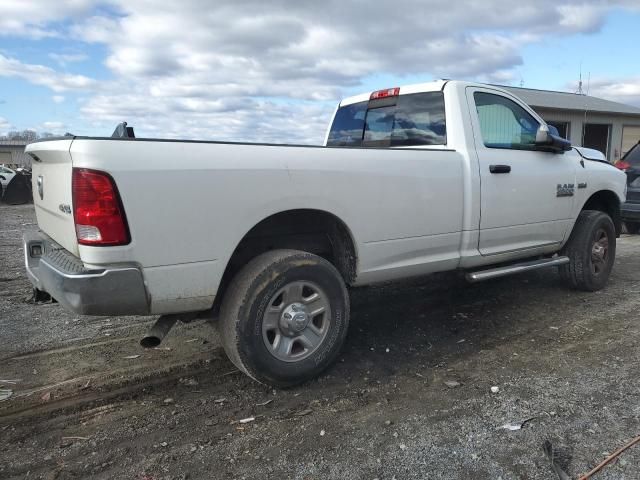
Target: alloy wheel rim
(296,321)
(599,252)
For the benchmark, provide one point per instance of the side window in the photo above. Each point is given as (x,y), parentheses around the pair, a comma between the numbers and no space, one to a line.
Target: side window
(504,123)
(346,130)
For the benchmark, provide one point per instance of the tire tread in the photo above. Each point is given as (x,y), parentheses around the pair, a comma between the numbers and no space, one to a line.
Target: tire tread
(577,273)
(238,295)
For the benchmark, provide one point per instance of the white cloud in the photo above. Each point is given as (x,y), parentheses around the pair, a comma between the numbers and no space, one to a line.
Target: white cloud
(58,98)
(5,126)
(96,29)
(45,76)
(229,69)
(581,17)
(53,126)
(204,71)
(228,119)
(33,18)
(623,90)
(63,59)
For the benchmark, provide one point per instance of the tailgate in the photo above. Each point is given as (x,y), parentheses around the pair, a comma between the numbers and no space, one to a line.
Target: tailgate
(52,171)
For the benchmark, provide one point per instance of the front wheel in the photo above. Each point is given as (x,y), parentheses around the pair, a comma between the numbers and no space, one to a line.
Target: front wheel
(284,317)
(591,249)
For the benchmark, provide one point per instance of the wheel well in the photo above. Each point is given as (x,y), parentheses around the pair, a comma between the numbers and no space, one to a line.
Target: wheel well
(312,231)
(608,202)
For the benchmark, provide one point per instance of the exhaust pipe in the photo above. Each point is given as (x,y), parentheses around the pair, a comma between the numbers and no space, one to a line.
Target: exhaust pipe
(156,334)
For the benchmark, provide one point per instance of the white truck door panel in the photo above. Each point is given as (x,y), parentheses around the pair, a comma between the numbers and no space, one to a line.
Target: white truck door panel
(520,206)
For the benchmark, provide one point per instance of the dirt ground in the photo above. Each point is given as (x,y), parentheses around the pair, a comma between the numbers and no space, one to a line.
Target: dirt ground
(88,402)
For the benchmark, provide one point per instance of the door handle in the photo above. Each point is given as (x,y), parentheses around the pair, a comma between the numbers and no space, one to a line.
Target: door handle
(499,168)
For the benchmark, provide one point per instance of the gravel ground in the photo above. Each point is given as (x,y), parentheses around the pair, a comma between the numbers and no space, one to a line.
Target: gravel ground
(410,396)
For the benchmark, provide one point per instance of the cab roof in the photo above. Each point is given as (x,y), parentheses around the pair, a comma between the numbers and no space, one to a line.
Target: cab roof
(434,86)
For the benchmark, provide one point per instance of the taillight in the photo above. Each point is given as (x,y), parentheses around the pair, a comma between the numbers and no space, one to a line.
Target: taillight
(387,92)
(97,210)
(622,165)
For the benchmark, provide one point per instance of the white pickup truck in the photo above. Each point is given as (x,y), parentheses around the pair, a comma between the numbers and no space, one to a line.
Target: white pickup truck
(439,176)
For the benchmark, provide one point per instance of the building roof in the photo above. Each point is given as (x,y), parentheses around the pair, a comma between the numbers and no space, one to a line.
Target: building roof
(570,101)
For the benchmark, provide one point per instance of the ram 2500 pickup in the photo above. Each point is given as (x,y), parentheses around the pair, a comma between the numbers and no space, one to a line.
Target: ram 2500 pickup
(439,176)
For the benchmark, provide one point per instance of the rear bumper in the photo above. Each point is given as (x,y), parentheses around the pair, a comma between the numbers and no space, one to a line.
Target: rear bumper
(630,211)
(109,290)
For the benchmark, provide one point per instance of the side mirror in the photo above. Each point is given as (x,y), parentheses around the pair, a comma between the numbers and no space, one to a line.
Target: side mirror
(548,139)
(2,177)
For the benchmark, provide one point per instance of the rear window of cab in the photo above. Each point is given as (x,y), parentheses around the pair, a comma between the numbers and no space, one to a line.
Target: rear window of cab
(412,120)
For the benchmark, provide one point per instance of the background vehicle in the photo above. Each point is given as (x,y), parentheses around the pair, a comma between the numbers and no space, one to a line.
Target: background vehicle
(18,189)
(414,180)
(6,174)
(630,210)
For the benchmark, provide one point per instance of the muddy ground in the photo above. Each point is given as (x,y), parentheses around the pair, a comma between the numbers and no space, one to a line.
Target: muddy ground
(88,402)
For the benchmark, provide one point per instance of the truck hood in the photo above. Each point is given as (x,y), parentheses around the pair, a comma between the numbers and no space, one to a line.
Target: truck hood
(591,154)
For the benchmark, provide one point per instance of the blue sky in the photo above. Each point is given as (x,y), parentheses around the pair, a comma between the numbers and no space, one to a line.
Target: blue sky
(256,71)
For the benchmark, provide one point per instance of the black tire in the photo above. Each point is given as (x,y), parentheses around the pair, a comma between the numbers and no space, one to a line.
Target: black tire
(249,296)
(587,270)
(632,227)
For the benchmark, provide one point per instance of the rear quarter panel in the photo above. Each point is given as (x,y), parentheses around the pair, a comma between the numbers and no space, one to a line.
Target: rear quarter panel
(188,205)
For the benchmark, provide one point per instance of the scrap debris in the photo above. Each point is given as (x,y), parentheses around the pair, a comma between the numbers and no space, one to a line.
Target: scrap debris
(5,394)
(550,452)
(516,425)
(11,382)
(609,459)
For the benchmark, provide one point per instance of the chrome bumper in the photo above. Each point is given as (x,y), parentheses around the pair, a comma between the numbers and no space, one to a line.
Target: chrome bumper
(112,290)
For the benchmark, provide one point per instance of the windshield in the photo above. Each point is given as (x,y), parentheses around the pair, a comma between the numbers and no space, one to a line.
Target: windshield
(414,120)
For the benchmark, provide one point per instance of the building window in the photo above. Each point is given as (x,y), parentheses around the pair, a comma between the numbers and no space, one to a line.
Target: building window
(563,128)
(596,136)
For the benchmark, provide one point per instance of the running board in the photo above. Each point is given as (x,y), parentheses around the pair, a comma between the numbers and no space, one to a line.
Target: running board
(515,268)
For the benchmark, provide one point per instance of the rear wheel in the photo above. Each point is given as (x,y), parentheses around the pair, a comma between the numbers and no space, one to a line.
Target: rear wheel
(591,249)
(632,227)
(284,317)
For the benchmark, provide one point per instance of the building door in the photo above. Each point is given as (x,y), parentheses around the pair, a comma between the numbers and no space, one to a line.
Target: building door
(596,136)
(630,136)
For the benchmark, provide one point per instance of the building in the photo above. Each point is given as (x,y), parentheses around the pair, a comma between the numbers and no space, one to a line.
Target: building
(611,127)
(12,154)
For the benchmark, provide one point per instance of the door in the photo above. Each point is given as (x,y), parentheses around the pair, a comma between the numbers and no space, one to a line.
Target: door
(526,194)
(596,136)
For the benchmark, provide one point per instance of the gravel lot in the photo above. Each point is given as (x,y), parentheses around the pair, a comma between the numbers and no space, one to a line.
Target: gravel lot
(88,402)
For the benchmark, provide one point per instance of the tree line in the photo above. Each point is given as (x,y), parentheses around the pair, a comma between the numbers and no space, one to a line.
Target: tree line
(28,135)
